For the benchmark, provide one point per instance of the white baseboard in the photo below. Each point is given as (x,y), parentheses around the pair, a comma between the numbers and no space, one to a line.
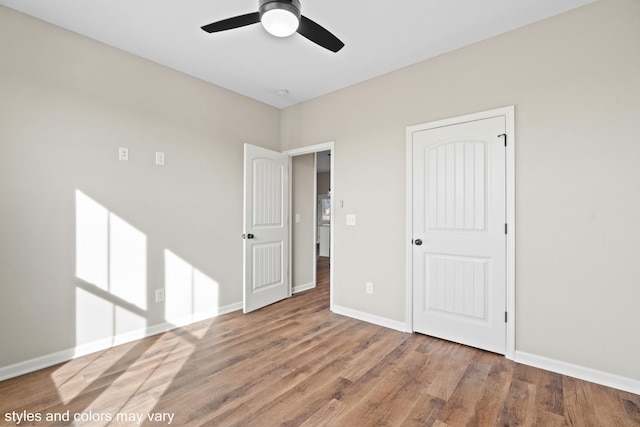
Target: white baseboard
(370,318)
(305,287)
(45,361)
(580,372)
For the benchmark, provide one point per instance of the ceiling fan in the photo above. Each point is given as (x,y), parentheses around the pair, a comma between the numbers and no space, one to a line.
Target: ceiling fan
(281,18)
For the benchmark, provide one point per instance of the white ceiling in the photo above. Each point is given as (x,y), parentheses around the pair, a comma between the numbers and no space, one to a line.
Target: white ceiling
(379,36)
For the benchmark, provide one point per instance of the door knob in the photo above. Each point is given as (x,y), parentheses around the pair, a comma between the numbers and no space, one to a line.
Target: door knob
(418,242)
(248,236)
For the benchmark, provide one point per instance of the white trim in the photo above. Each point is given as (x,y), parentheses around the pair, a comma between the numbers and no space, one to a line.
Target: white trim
(305,287)
(510,303)
(314,209)
(580,372)
(409,232)
(45,361)
(312,149)
(510,205)
(37,363)
(290,223)
(370,318)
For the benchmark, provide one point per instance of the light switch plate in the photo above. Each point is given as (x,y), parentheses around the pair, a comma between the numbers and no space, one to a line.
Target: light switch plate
(351,219)
(159,158)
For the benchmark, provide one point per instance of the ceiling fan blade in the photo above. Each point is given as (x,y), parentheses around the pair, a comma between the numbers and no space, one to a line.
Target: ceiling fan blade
(231,23)
(319,35)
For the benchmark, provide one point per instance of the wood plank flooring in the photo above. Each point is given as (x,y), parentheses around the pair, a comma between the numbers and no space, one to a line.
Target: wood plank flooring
(295,363)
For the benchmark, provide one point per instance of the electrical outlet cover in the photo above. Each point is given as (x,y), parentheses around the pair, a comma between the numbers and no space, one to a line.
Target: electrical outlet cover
(123,153)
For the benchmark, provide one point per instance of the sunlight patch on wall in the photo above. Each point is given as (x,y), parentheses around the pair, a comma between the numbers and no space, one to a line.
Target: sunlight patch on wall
(110,253)
(127,262)
(111,261)
(99,318)
(188,290)
(92,241)
(94,317)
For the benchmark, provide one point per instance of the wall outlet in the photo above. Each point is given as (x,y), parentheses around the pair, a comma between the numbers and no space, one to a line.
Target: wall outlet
(160,295)
(159,158)
(370,288)
(351,219)
(123,153)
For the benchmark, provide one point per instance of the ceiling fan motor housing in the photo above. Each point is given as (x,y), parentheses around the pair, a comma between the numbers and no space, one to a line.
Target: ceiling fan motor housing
(292,6)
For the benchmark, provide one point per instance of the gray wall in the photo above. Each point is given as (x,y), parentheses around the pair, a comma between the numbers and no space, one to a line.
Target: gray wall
(67,104)
(575,82)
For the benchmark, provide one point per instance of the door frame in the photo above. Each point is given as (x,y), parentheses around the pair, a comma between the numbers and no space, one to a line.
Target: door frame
(312,149)
(509,113)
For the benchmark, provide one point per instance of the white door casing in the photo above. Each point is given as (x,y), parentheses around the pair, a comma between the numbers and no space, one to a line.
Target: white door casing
(458,266)
(266,228)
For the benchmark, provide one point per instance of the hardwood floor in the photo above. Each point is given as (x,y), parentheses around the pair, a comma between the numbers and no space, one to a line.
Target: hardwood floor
(297,364)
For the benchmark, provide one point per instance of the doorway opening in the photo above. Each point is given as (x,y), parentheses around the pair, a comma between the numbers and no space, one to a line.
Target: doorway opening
(323,218)
(311,227)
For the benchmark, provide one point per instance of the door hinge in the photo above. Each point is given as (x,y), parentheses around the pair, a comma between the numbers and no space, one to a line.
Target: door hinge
(505,317)
(505,138)
(505,229)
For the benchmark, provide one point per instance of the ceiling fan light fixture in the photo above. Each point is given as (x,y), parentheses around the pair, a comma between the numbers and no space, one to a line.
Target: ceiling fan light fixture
(280,18)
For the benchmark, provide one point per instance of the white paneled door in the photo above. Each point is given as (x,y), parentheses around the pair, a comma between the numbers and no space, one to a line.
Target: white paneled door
(266,229)
(459,241)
